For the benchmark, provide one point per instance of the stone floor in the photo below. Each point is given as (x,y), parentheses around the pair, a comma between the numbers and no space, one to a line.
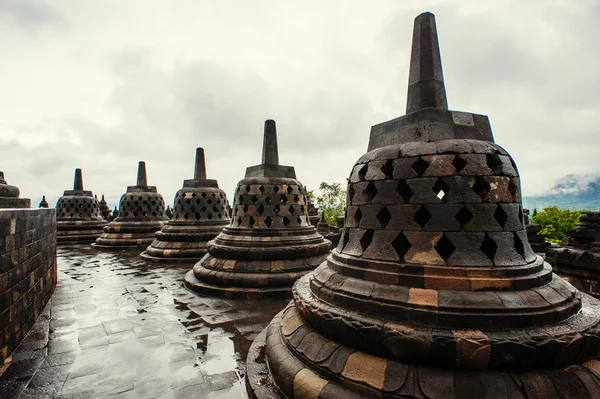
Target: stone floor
(119,327)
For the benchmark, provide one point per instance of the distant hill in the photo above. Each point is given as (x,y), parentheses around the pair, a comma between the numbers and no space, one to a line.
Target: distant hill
(571,191)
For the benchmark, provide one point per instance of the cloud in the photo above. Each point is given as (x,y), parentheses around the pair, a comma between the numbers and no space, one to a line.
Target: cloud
(32,16)
(152,81)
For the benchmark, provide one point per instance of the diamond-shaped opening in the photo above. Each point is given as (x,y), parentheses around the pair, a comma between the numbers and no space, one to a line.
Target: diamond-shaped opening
(276,189)
(209,216)
(459,163)
(343,240)
(371,191)
(268,199)
(384,217)
(268,221)
(290,189)
(444,248)
(422,217)
(261,189)
(366,239)
(276,209)
(463,217)
(401,245)
(204,194)
(500,216)
(489,247)
(215,209)
(283,200)
(514,191)
(350,193)
(245,209)
(519,246)
(481,187)
(357,216)
(186,216)
(286,221)
(291,209)
(197,215)
(260,210)
(521,218)
(420,166)
(388,169)
(254,198)
(494,162)
(251,221)
(247,188)
(441,190)
(362,172)
(299,220)
(404,190)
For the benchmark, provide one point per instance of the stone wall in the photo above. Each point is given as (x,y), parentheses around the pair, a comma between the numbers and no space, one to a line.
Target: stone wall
(27,271)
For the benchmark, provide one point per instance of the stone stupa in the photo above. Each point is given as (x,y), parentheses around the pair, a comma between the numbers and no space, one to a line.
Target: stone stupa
(199,214)
(141,214)
(433,290)
(269,243)
(9,196)
(78,218)
(44,203)
(104,208)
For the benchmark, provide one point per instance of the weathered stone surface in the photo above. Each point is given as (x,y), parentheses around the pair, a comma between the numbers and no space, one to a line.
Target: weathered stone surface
(200,211)
(270,242)
(27,271)
(78,215)
(9,196)
(141,214)
(434,290)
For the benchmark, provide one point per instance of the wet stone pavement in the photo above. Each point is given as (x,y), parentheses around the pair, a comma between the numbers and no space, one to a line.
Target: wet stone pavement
(121,327)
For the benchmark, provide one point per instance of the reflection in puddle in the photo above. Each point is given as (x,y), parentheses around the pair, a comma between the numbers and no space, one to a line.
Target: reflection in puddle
(216,353)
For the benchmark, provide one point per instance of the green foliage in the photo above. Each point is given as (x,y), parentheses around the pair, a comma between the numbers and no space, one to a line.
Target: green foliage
(555,222)
(331,200)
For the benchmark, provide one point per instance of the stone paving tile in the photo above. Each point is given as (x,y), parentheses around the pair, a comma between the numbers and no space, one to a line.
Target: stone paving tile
(118,327)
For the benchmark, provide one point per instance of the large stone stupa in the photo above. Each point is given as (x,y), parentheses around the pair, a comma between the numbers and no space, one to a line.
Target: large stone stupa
(199,214)
(141,214)
(433,290)
(78,218)
(269,243)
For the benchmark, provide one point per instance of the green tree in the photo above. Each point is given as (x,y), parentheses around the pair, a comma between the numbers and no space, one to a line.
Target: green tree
(331,200)
(555,222)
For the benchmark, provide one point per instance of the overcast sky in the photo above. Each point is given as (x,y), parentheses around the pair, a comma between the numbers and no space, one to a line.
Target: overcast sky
(103,84)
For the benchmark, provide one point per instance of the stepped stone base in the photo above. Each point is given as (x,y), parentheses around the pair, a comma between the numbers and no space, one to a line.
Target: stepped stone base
(276,369)
(578,266)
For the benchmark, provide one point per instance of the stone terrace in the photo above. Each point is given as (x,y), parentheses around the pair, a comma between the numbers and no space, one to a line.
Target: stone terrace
(119,327)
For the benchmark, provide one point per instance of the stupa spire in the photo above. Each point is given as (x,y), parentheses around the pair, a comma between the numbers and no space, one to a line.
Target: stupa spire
(426,81)
(270,154)
(78,180)
(200,166)
(142,179)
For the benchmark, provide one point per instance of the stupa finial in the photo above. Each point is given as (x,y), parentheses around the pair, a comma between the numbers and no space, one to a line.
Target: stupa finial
(142,179)
(200,167)
(78,181)
(270,154)
(426,81)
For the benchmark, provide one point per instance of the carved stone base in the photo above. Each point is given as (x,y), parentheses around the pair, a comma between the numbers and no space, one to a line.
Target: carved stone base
(14,203)
(128,235)
(79,232)
(302,363)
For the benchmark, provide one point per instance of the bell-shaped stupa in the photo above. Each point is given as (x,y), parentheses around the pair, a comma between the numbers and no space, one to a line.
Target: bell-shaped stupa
(270,242)
(43,203)
(199,214)
(433,290)
(9,196)
(78,218)
(141,214)
(104,208)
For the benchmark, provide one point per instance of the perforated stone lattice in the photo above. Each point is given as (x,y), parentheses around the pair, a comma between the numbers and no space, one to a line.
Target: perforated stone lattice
(78,207)
(476,193)
(141,206)
(270,206)
(198,206)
